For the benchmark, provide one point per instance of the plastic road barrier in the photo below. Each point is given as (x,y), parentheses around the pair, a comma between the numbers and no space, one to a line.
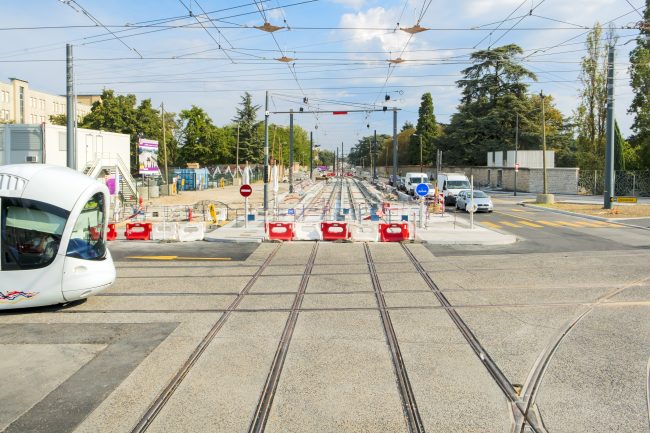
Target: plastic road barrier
(333,231)
(138,231)
(279,231)
(111,235)
(394,232)
(188,232)
(166,231)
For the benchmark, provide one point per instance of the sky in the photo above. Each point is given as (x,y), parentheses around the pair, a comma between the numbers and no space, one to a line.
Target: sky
(336,55)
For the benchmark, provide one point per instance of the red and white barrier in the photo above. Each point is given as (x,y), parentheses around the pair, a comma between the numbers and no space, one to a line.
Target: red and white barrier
(394,232)
(334,231)
(280,231)
(138,231)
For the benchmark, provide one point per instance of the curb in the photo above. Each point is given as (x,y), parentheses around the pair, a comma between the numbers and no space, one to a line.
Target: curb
(580,215)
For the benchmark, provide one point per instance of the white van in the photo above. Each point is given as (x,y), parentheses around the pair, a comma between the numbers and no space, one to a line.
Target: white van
(450,184)
(413,179)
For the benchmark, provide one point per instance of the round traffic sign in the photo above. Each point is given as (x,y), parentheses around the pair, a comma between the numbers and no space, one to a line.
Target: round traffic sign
(422,189)
(245,190)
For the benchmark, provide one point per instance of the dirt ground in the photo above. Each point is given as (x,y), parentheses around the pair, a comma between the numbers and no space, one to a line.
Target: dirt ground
(617,211)
(228,195)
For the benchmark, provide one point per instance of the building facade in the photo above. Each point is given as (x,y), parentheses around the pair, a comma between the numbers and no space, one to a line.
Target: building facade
(21,105)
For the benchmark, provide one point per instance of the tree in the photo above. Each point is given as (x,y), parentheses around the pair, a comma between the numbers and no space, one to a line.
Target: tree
(426,130)
(250,143)
(592,112)
(640,82)
(197,136)
(493,95)
(325,157)
(59,119)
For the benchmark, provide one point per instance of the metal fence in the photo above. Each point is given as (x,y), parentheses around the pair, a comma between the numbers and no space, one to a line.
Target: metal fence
(627,183)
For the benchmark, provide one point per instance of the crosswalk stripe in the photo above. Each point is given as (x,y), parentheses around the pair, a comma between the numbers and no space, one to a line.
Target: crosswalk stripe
(489,224)
(568,224)
(549,223)
(537,226)
(508,223)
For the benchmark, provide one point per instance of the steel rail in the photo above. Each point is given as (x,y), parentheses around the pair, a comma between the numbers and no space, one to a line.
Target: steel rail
(491,366)
(409,405)
(265,402)
(162,399)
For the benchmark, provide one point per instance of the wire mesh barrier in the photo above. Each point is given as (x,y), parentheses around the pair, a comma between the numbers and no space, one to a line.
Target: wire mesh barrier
(627,183)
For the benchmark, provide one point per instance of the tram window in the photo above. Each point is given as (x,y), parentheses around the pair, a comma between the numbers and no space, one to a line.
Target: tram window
(31,233)
(87,238)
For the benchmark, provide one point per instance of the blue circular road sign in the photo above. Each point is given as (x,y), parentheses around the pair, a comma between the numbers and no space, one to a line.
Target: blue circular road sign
(422,189)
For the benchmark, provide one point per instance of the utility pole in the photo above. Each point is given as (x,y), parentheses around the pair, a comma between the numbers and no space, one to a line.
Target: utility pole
(336,173)
(71,159)
(311,154)
(516,148)
(421,153)
(290,151)
(374,173)
(266,153)
(342,159)
(237,153)
(395,147)
(608,194)
(162,112)
(541,94)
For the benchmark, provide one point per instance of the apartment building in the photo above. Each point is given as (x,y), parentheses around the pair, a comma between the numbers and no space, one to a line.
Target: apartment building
(21,105)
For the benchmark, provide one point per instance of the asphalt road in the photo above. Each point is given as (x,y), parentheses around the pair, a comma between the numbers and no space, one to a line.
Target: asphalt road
(198,336)
(542,231)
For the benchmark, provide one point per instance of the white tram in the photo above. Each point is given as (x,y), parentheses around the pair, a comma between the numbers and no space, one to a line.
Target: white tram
(53,224)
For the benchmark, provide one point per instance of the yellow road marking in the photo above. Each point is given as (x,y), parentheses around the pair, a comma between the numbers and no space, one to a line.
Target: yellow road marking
(549,223)
(528,223)
(489,224)
(569,224)
(507,223)
(177,258)
(518,210)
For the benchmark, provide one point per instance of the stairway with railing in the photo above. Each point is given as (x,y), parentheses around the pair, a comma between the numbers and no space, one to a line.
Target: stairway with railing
(112,164)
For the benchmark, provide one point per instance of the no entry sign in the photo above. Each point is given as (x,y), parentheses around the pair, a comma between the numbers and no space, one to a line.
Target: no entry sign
(245,190)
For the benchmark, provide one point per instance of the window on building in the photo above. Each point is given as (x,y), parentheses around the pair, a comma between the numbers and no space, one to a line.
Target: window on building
(42,104)
(21,104)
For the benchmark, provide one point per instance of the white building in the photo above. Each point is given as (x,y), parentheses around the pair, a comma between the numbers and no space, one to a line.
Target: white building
(98,153)
(525,159)
(21,105)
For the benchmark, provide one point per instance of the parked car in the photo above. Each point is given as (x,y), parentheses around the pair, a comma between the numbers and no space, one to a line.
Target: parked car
(402,184)
(482,200)
(393,180)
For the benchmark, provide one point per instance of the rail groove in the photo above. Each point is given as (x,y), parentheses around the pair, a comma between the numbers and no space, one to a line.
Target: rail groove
(407,396)
(521,414)
(265,402)
(171,387)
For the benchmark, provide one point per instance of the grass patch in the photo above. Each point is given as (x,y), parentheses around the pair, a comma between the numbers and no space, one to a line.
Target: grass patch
(617,211)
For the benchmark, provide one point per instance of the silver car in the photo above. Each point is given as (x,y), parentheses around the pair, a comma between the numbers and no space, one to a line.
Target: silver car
(482,200)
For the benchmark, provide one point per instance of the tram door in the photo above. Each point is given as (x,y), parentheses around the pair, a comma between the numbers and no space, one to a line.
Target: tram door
(86,267)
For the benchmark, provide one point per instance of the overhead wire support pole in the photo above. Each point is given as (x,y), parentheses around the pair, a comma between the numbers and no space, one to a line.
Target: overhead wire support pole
(70,142)
(395,147)
(608,194)
(266,154)
(311,154)
(291,151)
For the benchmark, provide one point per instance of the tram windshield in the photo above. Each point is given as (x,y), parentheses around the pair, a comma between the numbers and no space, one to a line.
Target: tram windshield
(87,239)
(31,233)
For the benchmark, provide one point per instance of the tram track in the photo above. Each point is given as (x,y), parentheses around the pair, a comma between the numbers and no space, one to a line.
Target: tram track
(263,409)
(162,399)
(521,415)
(409,405)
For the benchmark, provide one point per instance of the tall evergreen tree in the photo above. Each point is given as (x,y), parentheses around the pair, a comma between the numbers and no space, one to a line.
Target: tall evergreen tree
(427,131)
(250,144)
(640,82)
(493,94)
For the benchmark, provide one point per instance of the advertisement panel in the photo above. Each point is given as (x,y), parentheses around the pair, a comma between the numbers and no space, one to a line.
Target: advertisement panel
(148,156)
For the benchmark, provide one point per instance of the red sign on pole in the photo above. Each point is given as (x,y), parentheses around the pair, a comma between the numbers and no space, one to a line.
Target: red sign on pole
(245,190)
(516,167)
